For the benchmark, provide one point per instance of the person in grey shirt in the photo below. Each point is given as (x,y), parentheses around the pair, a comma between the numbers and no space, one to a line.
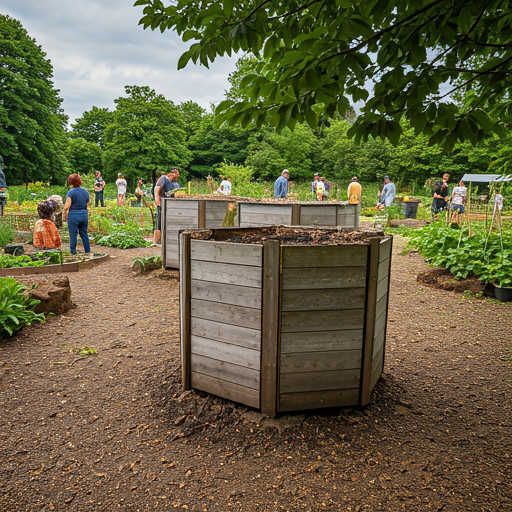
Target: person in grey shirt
(388,194)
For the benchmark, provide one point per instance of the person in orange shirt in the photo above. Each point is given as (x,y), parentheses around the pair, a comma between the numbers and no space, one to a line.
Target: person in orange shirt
(354,191)
(46,235)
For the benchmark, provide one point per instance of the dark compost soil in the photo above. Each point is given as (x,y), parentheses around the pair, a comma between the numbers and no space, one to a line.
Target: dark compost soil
(115,431)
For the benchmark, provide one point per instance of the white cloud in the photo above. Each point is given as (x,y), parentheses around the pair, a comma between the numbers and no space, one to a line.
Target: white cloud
(96,47)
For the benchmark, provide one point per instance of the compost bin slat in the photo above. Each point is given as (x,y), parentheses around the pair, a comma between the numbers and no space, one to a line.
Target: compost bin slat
(298,321)
(314,362)
(382,287)
(250,338)
(297,256)
(223,252)
(318,215)
(378,341)
(317,399)
(242,275)
(226,313)
(261,219)
(319,381)
(234,354)
(226,371)
(235,392)
(321,341)
(312,278)
(314,300)
(226,293)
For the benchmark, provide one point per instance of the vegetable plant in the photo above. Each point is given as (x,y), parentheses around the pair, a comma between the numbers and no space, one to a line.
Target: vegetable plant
(124,237)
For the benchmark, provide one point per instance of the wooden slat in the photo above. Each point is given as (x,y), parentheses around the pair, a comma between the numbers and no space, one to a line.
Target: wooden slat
(184,265)
(382,304)
(296,208)
(318,399)
(181,204)
(321,341)
(299,321)
(233,354)
(234,392)
(180,223)
(321,279)
(318,215)
(320,361)
(201,215)
(383,270)
(270,326)
(377,366)
(378,341)
(226,371)
(319,381)
(226,273)
(369,327)
(226,293)
(380,322)
(178,214)
(385,249)
(345,220)
(302,256)
(382,288)
(226,313)
(232,334)
(326,299)
(263,219)
(227,252)
(265,209)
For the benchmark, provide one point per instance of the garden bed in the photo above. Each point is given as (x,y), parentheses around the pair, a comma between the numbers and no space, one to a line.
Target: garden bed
(284,318)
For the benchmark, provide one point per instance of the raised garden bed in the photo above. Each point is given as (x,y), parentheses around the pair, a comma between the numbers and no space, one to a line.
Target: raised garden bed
(283,318)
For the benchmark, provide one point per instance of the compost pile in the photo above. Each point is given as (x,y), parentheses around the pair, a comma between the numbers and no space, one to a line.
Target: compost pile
(292,236)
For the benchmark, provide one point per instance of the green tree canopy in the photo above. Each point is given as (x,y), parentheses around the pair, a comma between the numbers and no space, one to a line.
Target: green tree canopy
(32,135)
(92,124)
(316,55)
(84,157)
(192,115)
(146,138)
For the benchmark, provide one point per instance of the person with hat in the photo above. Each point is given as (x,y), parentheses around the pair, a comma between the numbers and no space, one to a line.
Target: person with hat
(354,191)
(316,177)
(46,236)
(281,185)
(99,185)
(388,194)
(121,189)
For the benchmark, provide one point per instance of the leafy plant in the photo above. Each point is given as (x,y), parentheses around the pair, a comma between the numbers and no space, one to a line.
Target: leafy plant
(85,351)
(9,261)
(16,308)
(124,237)
(6,232)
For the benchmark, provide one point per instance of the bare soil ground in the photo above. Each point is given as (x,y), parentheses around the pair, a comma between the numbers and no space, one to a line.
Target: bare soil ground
(115,431)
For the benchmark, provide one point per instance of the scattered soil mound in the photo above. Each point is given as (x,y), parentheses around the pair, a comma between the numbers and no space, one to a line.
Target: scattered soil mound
(442,278)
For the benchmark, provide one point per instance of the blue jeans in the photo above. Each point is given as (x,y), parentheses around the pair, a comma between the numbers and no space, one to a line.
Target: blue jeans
(78,220)
(98,198)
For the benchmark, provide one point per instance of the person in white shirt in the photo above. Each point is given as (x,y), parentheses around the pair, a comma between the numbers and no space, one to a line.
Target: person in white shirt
(225,187)
(121,189)
(458,201)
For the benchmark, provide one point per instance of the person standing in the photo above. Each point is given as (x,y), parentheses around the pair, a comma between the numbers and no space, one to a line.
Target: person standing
(281,185)
(121,189)
(164,184)
(441,192)
(75,212)
(320,189)
(388,194)
(458,201)
(314,182)
(99,185)
(225,187)
(139,194)
(3,187)
(354,191)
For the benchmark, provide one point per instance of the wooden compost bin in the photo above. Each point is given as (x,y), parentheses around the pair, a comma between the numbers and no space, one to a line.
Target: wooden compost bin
(182,213)
(299,214)
(283,327)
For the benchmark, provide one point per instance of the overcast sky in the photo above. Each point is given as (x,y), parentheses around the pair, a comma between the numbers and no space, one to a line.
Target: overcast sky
(96,47)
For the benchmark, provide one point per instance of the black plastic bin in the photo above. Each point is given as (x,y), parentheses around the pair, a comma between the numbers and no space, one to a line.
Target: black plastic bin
(410,209)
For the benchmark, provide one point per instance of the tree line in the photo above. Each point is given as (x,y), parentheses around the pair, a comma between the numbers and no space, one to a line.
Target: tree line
(146,134)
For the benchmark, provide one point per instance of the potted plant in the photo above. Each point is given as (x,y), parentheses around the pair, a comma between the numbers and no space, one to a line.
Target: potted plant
(498,272)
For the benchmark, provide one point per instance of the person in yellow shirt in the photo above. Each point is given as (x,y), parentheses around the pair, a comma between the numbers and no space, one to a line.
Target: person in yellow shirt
(354,191)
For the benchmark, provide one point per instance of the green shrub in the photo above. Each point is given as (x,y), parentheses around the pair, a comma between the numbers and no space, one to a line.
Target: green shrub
(9,261)
(16,309)
(6,232)
(124,237)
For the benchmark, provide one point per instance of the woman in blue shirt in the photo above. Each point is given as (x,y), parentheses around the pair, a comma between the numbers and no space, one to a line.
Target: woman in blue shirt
(75,212)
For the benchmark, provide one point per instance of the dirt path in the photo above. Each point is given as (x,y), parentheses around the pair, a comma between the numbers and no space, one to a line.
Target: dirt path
(115,431)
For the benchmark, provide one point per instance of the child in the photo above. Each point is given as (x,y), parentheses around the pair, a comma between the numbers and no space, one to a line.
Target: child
(46,235)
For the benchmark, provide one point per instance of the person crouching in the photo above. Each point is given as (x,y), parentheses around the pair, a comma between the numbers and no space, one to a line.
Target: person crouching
(46,235)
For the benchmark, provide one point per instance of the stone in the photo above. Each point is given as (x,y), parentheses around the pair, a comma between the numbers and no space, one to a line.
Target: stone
(54,294)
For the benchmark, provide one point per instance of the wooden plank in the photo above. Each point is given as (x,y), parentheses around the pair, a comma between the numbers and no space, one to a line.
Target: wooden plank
(383,270)
(320,361)
(326,299)
(261,219)
(325,278)
(163,233)
(296,208)
(233,354)
(180,204)
(302,256)
(226,293)
(380,322)
(227,252)
(382,288)
(379,340)
(385,249)
(319,381)
(180,223)
(369,327)
(232,334)
(318,215)
(184,265)
(178,214)
(265,209)
(201,215)
(381,306)
(322,341)
(226,371)
(242,275)
(226,313)
(377,367)
(348,215)
(345,220)
(318,399)
(229,390)
(270,326)
(301,321)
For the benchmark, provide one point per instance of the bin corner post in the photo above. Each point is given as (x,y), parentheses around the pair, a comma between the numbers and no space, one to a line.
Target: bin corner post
(296,214)
(201,214)
(369,324)
(357,214)
(270,326)
(185,310)
(163,232)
